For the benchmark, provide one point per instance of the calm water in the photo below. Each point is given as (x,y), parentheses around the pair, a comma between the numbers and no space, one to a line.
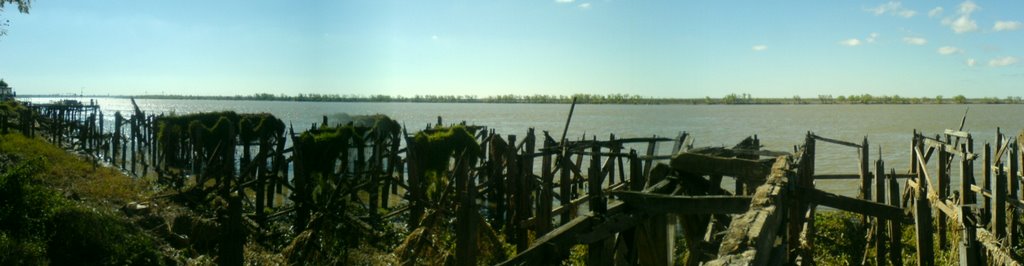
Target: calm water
(780,127)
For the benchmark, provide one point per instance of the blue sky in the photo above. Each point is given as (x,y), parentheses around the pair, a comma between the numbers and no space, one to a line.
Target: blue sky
(651,48)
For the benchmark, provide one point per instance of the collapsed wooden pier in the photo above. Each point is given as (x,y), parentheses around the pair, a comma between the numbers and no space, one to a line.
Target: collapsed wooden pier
(546,198)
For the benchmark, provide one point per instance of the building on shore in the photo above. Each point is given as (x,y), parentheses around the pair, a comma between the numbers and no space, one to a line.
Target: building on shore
(6,92)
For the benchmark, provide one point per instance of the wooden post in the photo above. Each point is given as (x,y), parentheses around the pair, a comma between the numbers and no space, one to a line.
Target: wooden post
(652,149)
(986,172)
(565,186)
(923,219)
(134,142)
(524,190)
(1014,185)
(545,195)
(865,174)
(895,226)
(969,244)
(415,186)
(497,179)
(466,231)
(595,251)
(115,147)
(614,150)
(999,200)
(943,191)
(880,224)
(798,211)
(966,178)
(510,182)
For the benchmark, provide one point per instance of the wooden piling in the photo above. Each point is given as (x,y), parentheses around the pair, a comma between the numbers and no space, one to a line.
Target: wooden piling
(999,202)
(880,224)
(942,187)
(595,251)
(545,197)
(465,231)
(1014,185)
(895,225)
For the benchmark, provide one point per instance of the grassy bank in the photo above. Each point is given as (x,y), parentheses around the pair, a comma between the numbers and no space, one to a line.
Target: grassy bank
(56,208)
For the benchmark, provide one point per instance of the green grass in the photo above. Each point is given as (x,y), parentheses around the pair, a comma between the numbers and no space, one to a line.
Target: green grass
(39,226)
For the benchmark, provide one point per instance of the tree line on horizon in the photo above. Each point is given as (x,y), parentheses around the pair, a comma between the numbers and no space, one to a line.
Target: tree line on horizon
(729,99)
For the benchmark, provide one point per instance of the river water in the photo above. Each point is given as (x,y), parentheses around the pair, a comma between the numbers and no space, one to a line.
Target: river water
(780,127)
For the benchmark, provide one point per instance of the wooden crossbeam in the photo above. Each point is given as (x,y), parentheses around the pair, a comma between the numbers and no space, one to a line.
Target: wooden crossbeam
(707,164)
(852,204)
(661,204)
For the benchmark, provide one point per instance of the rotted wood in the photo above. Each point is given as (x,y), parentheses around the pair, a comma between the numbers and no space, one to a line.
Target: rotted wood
(995,253)
(751,235)
(705,164)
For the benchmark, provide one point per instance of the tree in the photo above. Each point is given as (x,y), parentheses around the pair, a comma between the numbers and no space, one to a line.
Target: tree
(23,6)
(960,99)
(938,99)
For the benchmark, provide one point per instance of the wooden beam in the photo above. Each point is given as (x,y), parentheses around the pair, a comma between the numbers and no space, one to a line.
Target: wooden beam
(660,204)
(852,204)
(751,235)
(834,141)
(957,133)
(931,143)
(550,245)
(854,176)
(706,164)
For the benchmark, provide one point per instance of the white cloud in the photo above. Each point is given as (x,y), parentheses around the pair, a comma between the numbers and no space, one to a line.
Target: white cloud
(894,8)
(948,50)
(915,40)
(759,47)
(1007,25)
(564,1)
(871,38)
(585,5)
(850,42)
(434,37)
(971,62)
(968,7)
(1002,61)
(884,8)
(935,12)
(962,24)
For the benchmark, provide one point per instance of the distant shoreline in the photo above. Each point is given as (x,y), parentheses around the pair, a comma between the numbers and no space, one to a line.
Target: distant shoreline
(731,99)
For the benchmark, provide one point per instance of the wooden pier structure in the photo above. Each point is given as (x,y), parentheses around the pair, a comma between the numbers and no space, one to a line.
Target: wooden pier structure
(626,200)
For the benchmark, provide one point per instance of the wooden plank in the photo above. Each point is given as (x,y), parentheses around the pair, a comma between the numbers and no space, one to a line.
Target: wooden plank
(834,141)
(854,176)
(552,244)
(852,204)
(936,144)
(705,164)
(957,133)
(660,204)
(751,235)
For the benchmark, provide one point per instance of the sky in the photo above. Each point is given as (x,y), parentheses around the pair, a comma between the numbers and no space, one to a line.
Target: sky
(676,49)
